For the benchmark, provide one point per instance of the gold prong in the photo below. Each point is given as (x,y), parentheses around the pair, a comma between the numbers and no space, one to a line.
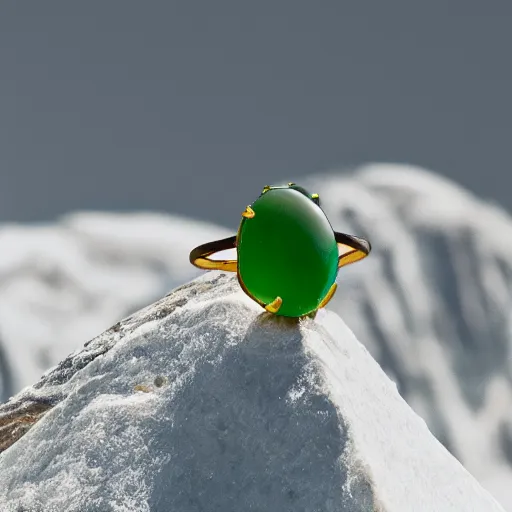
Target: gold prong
(329,296)
(291,184)
(266,188)
(314,196)
(248,213)
(274,306)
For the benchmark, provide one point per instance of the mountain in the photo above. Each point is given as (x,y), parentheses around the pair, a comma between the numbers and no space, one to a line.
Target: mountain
(203,401)
(432,303)
(63,283)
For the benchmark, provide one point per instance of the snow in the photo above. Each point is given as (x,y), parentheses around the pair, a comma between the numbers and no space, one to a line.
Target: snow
(255,413)
(63,283)
(432,303)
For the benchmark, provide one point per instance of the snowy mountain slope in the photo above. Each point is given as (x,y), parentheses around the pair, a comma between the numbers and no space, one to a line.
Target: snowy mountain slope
(61,284)
(433,304)
(240,410)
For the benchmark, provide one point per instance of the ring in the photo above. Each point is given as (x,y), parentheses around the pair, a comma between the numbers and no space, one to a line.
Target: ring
(288,255)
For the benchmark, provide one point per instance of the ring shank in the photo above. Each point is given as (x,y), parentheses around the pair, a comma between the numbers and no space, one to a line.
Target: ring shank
(199,257)
(353,249)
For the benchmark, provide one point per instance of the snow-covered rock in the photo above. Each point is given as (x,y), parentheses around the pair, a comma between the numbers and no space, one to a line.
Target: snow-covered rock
(433,304)
(204,402)
(63,283)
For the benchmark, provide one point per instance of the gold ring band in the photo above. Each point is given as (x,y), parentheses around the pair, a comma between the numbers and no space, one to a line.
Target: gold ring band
(351,249)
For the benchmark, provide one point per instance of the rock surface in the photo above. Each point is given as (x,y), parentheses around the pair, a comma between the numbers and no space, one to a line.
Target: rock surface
(432,303)
(62,283)
(203,402)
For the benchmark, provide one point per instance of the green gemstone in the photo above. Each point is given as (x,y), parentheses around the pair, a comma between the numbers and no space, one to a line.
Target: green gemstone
(287,250)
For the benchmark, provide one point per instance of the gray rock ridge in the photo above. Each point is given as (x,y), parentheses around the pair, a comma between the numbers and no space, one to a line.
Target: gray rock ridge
(19,413)
(251,412)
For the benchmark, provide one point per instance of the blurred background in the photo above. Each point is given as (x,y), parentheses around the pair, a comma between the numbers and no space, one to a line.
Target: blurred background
(132,131)
(190,107)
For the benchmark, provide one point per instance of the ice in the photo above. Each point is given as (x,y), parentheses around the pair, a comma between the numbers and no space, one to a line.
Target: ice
(255,413)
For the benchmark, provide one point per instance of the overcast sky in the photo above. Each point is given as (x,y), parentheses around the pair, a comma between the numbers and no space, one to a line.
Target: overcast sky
(192,106)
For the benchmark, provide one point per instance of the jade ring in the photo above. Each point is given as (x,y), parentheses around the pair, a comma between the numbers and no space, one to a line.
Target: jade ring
(288,255)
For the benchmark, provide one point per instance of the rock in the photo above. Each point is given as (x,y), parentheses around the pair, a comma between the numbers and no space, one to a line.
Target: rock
(432,304)
(204,402)
(63,283)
